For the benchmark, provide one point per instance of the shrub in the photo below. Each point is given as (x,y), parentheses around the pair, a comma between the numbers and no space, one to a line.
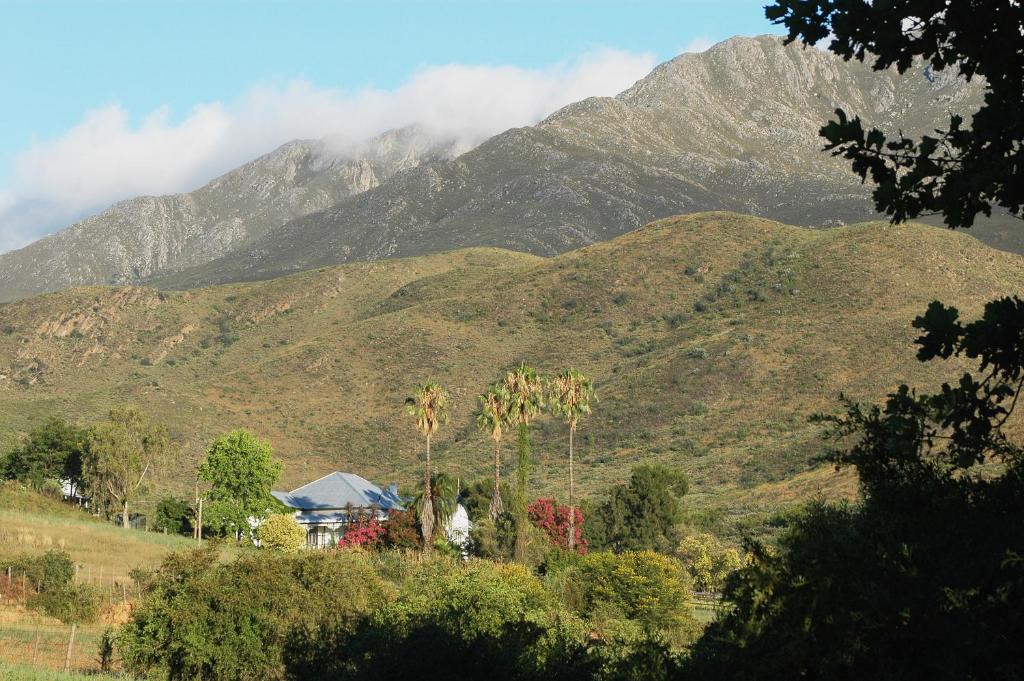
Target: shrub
(401,530)
(472,620)
(553,519)
(282,533)
(173,516)
(708,561)
(647,587)
(204,619)
(76,603)
(52,571)
(363,536)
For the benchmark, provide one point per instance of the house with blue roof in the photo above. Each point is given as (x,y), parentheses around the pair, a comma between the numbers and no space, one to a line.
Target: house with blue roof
(326,507)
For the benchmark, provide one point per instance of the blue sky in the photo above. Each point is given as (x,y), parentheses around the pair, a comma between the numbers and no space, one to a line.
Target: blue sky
(149,64)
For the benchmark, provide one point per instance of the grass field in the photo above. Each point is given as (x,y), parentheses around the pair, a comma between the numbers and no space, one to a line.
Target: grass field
(711,338)
(105,553)
(18,672)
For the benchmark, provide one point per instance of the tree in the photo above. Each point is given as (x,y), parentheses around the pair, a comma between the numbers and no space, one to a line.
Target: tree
(708,561)
(556,522)
(241,470)
(492,417)
(51,451)
(401,531)
(643,514)
(429,406)
(526,399)
(923,578)
(280,532)
(173,516)
(120,453)
(964,170)
(442,502)
(570,396)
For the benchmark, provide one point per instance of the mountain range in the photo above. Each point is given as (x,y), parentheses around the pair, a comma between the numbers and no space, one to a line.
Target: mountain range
(733,128)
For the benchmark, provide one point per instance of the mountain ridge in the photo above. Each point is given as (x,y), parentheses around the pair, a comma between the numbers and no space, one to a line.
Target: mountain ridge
(733,128)
(138,237)
(711,338)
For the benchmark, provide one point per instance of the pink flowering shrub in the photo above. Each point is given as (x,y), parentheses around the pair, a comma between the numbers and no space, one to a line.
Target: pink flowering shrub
(364,535)
(554,520)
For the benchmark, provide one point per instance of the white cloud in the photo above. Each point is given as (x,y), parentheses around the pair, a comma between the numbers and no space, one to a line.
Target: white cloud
(104,158)
(699,44)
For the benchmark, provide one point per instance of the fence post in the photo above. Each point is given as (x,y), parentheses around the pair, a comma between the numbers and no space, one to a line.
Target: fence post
(71,643)
(35,646)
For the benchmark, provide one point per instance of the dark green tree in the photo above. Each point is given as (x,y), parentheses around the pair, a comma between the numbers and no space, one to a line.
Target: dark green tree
(925,577)
(525,394)
(640,515)
(173,516)
(51,451)
(968,168)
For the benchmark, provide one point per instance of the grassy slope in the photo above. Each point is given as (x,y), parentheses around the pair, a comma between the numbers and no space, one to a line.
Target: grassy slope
(320,362)
(32,523)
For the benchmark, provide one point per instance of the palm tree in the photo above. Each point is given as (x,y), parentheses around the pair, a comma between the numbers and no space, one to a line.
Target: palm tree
(570,396)
(492,417)
(526,399)
(441,502)
(429,406)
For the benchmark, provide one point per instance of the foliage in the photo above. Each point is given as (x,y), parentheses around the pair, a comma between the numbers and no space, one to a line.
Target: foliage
(280,532)
(526,399)
(363,536)
(51,576)
(570,396)
(210,620)
(964,170)
(105,650)
(648,588)
(553,519)
(401,531)
(476,497)
(442,502)
(428,405)
(121,451)
(51,571)
(173,516)
(493,415)
(71,603)
(51,451)
(241,470)
(474,620)
(708,561)
(924,579)
(493,539)
(642,514)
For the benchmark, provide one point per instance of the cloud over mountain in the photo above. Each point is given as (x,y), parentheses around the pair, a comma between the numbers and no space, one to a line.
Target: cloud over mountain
(107,157)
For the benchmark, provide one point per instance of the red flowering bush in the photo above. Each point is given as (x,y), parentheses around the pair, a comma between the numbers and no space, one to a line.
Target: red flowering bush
(554,520)
(363,535)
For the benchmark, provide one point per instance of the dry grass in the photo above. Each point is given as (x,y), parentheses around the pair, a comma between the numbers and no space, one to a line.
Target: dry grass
(711,338)
(105,553)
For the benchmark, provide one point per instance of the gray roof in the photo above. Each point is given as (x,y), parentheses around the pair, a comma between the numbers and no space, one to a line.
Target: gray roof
(338,490)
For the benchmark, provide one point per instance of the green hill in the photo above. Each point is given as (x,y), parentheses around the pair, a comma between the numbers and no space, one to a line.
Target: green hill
(711,337)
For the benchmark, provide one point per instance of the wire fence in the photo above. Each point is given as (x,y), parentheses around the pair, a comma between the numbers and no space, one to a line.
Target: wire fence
(27,637)
(111,587)
(46,646)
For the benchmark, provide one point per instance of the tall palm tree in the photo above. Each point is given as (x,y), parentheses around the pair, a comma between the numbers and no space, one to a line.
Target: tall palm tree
(526,399)
(429,406)
(442,500)
(492,417)
(570,394)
